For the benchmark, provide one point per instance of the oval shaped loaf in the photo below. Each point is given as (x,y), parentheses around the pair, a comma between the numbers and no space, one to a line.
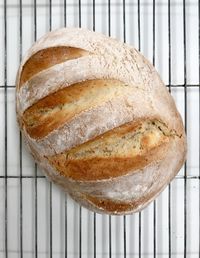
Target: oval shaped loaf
(98,120)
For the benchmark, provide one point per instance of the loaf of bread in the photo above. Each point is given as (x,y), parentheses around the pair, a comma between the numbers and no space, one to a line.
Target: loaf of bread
(98,120)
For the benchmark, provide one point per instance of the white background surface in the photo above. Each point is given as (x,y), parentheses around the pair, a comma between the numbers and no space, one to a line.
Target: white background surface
(189,98)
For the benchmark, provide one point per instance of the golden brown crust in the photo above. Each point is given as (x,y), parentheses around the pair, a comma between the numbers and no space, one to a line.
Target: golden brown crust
(56,109)
(46,58)
(115,153)
(103,168)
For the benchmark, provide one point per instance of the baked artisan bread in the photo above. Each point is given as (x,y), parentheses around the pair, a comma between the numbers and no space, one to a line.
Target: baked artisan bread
(98,120)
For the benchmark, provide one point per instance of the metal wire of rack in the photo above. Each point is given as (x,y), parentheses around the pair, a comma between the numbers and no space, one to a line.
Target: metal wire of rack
(105,236)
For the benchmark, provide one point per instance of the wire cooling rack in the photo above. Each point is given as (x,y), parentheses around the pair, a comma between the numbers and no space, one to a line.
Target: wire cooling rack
(36,218)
